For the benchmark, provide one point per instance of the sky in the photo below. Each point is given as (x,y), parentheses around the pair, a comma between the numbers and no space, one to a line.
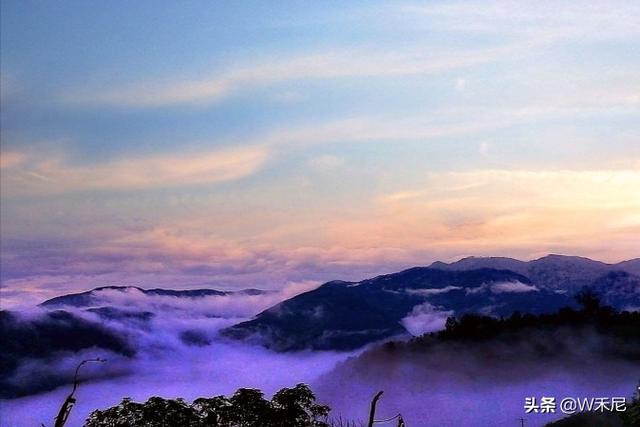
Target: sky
(273,144)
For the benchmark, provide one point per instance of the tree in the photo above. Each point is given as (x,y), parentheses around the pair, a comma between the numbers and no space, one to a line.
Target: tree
(215,412)
(289,407)
(127,413)
(297,406)
(589,300)
(631,416)
(250,409)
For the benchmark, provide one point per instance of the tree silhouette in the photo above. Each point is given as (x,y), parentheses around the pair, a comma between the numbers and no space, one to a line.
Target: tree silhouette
(289,407)
(589,300)
(296,407)
(631,417)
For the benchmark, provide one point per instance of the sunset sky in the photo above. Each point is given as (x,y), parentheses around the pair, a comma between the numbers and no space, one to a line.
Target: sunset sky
(270,144)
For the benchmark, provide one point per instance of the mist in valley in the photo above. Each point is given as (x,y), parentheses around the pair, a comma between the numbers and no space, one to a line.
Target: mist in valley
(178,353)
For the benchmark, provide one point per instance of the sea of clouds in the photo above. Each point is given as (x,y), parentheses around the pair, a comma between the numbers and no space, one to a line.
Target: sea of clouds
(453,386)
(165,364)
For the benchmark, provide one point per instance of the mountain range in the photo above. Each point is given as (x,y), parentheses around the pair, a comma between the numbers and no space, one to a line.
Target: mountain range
(569,273)
(337,315)
(340,315)
(99,295)
(347,315)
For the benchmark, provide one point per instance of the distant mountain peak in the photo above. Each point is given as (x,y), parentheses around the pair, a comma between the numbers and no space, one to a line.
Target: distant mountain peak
(93,297)
(344,315)
(116,288)
(567,258)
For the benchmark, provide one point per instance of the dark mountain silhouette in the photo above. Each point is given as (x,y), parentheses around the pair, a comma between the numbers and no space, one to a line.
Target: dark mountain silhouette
(44,337)
(631,266)
(96,295)
(476,354)
(113,313)
(619,289)
(563,272)
(347,315)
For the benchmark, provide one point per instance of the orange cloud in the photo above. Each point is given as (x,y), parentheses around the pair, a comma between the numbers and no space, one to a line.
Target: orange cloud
(9,159)
(53,175)
(499,211)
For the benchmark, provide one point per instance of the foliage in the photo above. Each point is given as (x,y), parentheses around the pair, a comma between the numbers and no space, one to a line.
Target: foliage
(631,417)
(628,418)
(475,327)
(289,407)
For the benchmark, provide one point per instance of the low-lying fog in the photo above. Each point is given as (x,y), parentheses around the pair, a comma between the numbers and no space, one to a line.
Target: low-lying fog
(165,364)
(478,385)
(435,391)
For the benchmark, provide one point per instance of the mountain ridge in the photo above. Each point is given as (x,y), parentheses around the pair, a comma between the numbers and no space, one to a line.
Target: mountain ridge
(553,271)
(347,315)
(90,297)
(330,316)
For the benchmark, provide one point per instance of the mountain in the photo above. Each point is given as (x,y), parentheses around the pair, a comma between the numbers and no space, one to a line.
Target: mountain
(347,315)
(114,313)
(477,360)
(560,272)
(619,289)
(473,263)
(631,266)
(98,296)
(44,337)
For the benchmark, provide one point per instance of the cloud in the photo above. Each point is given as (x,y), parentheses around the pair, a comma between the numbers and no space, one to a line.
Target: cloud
(519,29)
(51,172)
(164,363)
(54,174)
(179,256)
(9,159)
(452,214)
(425,318)
(326,162)
(231,306)
(461,379)
(512,287)
(339,64)
(537,210)
(597,20)
(433,291)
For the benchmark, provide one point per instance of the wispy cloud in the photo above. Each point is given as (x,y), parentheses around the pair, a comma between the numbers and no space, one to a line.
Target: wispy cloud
(9,159)
(31,173)
(54,175)
(364,63)
(522,26)
(489,97)
(532,212)
(560,21)
(453,214)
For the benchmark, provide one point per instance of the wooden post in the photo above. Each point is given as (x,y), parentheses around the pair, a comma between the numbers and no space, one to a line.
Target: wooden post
(372,412)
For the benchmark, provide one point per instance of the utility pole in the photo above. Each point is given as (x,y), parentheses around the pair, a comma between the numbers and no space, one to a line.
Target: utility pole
(372,412)
(65,409)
